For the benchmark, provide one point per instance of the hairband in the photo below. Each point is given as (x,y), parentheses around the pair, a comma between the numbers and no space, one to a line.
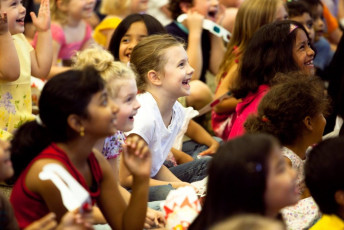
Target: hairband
(211,26)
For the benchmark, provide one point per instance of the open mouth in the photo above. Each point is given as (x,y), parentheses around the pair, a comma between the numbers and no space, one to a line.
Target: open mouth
(186,82)
(309,63)
(21,21)
(212,14)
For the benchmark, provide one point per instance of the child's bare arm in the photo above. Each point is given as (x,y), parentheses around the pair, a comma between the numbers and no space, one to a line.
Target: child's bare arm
(41,57)
(9,62)
(217,53)
(194,24)
(227,105)
(180,156)
(201,136)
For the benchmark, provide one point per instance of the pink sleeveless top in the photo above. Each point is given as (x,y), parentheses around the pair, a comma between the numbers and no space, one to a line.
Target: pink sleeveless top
(67,50)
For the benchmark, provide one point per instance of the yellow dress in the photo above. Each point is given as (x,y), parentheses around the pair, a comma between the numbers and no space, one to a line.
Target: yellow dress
(106,24)
(15,96)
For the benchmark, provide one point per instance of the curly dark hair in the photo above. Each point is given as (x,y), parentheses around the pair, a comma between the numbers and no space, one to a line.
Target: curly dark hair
(283,109)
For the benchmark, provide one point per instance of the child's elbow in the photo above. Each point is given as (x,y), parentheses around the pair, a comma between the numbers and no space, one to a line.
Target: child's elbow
(10,76)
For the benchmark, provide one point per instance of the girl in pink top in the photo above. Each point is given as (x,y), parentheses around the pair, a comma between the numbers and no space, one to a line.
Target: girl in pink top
(279,47)
(69,30)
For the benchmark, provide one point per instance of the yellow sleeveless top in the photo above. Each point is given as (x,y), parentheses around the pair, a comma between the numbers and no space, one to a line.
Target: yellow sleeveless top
(15,96)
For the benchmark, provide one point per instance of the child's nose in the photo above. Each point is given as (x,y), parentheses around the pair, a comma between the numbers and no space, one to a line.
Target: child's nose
(310,52)
(215,2)
(190,69)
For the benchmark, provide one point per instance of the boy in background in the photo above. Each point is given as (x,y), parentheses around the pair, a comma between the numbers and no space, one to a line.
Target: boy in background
(324,173)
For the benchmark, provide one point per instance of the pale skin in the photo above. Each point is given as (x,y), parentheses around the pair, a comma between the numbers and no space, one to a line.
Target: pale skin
(194,24)
(41,57)
(74,31)
(9,70)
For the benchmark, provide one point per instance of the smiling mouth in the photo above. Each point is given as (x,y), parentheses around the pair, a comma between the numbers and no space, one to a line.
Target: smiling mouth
(186,82)
(309,63)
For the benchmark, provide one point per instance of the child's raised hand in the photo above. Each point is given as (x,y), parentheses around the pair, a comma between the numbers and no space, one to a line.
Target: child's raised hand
(42,22)
(137,156)
(194,21)
(3,23)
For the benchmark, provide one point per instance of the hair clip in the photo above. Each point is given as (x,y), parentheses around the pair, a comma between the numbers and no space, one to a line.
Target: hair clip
(292,28)
(254,167)
(265,119)
(211,26)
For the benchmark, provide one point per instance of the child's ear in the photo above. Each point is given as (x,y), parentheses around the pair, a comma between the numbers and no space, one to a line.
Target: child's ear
(185,7)
(339,197)
(75,122)
(154,77)
(307,121)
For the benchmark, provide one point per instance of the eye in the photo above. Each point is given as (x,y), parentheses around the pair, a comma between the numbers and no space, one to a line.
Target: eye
(181,64)
(14,3)
(125,40)
(309,25)
(105,100)
(129,99)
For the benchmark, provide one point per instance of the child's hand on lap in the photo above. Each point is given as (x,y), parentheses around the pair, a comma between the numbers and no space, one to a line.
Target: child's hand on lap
(137,156)
(42,22)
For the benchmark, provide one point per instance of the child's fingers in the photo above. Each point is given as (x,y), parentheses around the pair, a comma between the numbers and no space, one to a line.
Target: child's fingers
(33,16)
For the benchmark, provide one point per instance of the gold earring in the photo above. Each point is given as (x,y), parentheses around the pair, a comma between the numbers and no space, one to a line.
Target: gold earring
(82,131)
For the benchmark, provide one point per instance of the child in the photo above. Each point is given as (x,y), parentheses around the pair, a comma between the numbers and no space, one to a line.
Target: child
(164,74)
(74,114)
(324,178)
(205,51)
(8,221)
(277,47)
(137,26)
(247,175)
(121,86)
(252,14)
(115,11)
(130,31)
(293,112)
(299,12)
(324,52)
(18,61)
(69,30)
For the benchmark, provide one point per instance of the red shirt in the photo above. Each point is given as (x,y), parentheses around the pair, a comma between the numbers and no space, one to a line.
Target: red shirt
(29,206)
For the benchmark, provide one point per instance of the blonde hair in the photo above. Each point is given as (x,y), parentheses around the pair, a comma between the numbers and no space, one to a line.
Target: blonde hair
(249,222)
(56,13)
(114,7)
(148,55)
(109,69)
(252,14)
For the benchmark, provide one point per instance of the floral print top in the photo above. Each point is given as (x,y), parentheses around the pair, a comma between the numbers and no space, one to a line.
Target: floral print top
(113,145)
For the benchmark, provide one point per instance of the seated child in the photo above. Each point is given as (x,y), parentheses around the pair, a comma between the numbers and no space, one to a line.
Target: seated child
(324,177)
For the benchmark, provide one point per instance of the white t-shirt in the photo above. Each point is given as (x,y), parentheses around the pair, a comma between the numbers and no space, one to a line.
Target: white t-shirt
(149,125)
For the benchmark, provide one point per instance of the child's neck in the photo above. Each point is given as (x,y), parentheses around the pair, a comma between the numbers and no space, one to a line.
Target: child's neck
(165,104)
(78,149)
(299,150)
(73,22)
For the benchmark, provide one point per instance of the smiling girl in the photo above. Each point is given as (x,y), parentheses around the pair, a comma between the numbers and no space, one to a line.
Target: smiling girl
(279,47)
(75,113)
